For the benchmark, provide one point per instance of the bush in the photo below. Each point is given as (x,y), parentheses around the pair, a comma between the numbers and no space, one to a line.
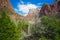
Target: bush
(23,29)
(52,27)
(8,30)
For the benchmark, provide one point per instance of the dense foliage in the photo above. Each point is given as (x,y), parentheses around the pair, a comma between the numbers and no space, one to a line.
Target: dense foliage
(8,30)
(52,28)
(47,29)
(22,29)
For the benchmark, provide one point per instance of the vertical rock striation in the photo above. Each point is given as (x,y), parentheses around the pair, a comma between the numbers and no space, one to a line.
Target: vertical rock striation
(51,9)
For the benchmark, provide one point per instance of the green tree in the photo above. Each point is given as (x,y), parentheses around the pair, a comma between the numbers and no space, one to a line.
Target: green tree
(8,30)
(52,27)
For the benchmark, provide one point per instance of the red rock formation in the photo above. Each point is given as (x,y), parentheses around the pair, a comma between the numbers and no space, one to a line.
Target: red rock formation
(6,4)
(16,17)
(50,9)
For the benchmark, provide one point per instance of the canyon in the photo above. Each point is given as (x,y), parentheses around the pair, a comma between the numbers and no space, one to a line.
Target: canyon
(45,10)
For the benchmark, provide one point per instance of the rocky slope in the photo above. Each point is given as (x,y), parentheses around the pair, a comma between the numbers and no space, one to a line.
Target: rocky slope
(47,10)
(6,5)
(32,14)
(52,9)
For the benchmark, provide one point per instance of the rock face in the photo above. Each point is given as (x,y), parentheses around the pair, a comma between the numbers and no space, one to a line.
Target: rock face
(6,4)
(47,10)
(32,14)
(15,17)
(52,9)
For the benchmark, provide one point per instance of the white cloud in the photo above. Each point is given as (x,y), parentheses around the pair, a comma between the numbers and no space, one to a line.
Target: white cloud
(24,8)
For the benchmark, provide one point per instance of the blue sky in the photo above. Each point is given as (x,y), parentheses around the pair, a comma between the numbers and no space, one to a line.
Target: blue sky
(22,6)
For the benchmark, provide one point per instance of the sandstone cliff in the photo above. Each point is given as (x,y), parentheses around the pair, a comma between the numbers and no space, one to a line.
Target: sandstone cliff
(52,9)
(6,5)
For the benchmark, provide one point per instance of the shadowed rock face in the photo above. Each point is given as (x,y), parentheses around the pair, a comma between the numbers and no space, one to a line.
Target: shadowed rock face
(52,9)
(6,4)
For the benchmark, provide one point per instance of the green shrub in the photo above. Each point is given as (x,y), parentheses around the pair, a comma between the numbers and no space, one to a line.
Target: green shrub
(52,27)
(8,30)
